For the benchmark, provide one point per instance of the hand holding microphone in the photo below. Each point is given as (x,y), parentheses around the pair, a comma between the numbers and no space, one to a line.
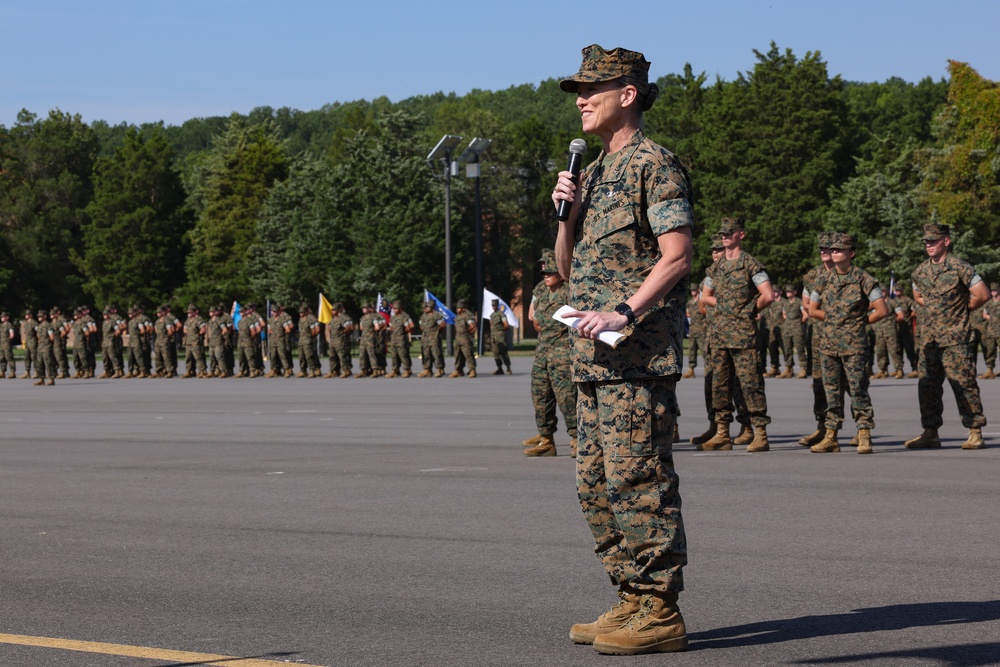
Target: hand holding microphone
(577,149)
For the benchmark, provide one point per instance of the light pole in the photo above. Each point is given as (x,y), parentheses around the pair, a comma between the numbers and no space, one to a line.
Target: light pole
(443,152)
(471,156)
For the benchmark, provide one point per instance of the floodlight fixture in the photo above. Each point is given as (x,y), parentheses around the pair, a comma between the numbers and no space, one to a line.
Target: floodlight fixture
(444,147)
(475,148)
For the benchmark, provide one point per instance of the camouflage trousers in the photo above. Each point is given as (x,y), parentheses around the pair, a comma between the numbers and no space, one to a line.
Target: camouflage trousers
(500,355)
(280,354)
(111,352)
(340,358)
(956,363)
(626,482)
(431,354)
(62,359)
(732,366)
(367,356)
(7,359)
(887,346)
(80,359)
(852,370)
(696,344)
(400,352)
(552,384)
(904,338)
(30,358)
(45,362)
(793,342)
(308,357)
(982,341)
(161,360)
(736,392)
(464,352)
(194,359)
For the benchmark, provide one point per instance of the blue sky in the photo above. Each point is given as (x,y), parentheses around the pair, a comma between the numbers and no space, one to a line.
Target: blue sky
(148,60)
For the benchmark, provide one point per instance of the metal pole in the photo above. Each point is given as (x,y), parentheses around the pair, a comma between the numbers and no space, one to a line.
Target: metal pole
(447,247)
(479,261)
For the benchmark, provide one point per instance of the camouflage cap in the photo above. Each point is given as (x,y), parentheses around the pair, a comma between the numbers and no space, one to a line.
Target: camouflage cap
(731,225)
(397,304)
(777,288)
(5,314)
(337,305)
(192,308)
(107,310)
(42,313)
(429,304)
(841,241)
(934,231)
(600,65)
(461,304)
(304,308)
(548,261)
(717,242)
(823,239)
(995,287)
(495,302)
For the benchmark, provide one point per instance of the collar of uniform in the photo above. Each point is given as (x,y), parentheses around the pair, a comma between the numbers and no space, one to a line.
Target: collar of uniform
(616,171)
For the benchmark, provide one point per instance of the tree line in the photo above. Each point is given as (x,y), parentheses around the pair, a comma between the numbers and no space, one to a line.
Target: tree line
(283,204)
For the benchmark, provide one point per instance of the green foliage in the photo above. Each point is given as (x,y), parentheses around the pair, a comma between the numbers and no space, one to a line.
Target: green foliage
(227,192)
(45,186)
(133,241)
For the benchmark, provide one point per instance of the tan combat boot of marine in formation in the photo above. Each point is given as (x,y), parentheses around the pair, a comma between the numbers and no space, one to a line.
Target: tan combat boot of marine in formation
(881,374)
(988,375)
(689,373)
(745,437)
(611,620)
(913,374)
(392,374)
(771,373)
(439,373)
(424,374)
(927,440)
(472,373)
(720,441)
(531,442)
(572,447)
(814,437)
(975,440)
(785,374)
(455,374)
(864,441)
(760,442)
(657,627)
(898,374)
(545,447)
(406,374)
(827,444)
(704,437)
(802,374)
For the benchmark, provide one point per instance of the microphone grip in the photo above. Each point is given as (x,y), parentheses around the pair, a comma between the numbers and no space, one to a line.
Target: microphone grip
(575,162)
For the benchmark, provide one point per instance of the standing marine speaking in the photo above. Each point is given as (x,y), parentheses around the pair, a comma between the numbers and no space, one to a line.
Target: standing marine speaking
(626,248)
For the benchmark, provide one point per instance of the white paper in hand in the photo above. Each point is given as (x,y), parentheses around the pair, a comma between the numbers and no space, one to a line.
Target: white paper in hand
(612,338)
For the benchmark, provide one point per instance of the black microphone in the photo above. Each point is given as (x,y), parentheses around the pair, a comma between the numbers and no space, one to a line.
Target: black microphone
(577,149)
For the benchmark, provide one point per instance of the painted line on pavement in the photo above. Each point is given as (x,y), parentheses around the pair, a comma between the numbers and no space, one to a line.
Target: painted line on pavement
(144,652)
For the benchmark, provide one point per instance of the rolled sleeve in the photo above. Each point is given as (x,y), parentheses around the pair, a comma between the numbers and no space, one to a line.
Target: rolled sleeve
(669,215)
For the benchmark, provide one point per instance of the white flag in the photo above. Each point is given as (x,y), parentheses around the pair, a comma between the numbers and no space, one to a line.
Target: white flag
(488,297)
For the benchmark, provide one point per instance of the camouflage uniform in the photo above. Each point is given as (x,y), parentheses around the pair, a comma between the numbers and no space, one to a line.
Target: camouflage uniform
(980,341)
(62,328)
(551,372)
(79,355)
(367,355)
(904,328)
(769,326)
(226,319)
(161,353)
(498,338)
(90,341)
(430,339)
(697,331)
(279,328)
(626,482)
(993,326)
(309,364)
(46,333)
(734,337)
(945,334)
(846,299)
(112,329)
(248,329)
(30,341)
(465,327)
(399,341)
(793,333)
(217,335)
(194,344)
(886,343)
(7,347)
(339,331)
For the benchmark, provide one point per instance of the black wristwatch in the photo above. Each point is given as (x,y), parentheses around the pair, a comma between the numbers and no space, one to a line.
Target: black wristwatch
(626,310)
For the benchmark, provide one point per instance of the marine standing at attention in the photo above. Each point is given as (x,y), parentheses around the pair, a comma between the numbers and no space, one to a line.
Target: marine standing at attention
(626,248)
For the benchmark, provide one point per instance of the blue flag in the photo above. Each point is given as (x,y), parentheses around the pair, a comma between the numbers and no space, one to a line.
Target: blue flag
(235,313)
(449,316)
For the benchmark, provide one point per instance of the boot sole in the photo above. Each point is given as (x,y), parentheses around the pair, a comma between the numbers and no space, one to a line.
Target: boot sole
(674,645)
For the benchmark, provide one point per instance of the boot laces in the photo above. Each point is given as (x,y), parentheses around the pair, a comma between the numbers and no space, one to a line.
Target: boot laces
(645,608)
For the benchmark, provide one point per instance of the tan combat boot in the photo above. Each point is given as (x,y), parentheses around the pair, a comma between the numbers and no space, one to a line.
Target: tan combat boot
(103,376)
(689,373)
(472,373)
(346,374)
(760,442)
(545,447)
(406,374)
(572,447)
(392,374)
(745,437)
(424,374)
(657,627)
(802,374)
(898,374)
(40,382)
(785,374)
(864,441)
(704,437)
(360,374)
(720,441)
(881,374)
(814,437)
(913,374)
(439,373)
(771,373)
(827,444)
(611,620)
(988,375)
(331,374)
(927,440)
(288,373)
(975,440)
(455,374)
(531,442)
(302,374)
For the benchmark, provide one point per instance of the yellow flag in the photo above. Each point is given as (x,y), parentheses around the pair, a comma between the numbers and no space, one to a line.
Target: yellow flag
(325,310)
